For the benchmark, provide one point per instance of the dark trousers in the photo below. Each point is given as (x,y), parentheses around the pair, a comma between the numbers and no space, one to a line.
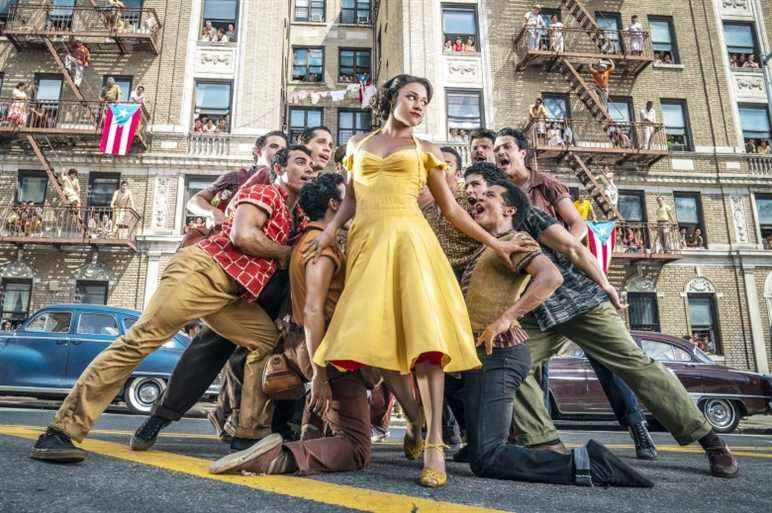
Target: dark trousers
(489,395)
(453,406)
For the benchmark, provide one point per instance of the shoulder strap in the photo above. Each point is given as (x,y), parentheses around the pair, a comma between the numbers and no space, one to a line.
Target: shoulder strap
(365,139)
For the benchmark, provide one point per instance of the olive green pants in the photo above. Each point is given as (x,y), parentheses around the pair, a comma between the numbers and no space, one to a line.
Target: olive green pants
(193,286)
(602,334)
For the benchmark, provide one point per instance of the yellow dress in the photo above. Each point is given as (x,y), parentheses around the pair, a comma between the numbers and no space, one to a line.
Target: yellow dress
(401,299)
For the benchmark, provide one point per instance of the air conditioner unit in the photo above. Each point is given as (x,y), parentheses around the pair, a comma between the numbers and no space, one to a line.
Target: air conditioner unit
(363,20)
(316,17)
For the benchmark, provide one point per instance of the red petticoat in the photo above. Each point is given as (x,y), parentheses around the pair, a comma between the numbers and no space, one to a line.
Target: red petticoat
(434,357)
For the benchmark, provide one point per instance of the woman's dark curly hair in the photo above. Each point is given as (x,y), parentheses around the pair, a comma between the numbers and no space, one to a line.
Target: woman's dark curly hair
(383,103)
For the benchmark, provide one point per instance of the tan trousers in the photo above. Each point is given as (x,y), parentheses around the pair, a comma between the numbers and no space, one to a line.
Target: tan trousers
(192,286)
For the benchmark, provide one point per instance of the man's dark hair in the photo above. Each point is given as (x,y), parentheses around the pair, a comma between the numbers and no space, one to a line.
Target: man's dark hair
(282,156)
(517,134)
(310,132)
(388,92)
(482,133)
(315,196)
(72,171)
(452,151)
(488,171)
(514,197)
(263,139)
(340,153)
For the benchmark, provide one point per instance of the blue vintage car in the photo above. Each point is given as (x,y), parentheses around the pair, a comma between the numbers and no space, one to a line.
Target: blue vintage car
(44,356)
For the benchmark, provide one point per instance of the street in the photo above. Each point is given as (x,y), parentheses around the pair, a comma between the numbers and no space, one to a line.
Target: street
(173,478)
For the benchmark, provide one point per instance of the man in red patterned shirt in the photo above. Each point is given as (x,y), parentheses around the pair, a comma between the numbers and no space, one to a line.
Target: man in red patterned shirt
(217,280)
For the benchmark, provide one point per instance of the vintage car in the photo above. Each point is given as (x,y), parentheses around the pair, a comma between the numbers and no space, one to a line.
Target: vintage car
(724,395)
(47,353)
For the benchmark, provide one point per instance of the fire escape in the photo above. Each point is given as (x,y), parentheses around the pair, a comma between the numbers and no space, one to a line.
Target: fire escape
(598,138)
(72,123)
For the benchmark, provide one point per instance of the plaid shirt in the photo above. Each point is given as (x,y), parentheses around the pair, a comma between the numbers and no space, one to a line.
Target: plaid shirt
(253,273)
(454,243)
(578,294)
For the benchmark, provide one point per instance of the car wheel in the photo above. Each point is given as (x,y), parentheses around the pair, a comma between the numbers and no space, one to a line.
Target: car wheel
(721,414)
(142,392)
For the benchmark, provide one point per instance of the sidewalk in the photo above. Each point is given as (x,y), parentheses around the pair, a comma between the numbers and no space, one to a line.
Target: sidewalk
(756,425)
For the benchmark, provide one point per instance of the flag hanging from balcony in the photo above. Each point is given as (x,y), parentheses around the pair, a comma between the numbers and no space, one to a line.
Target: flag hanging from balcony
(602,237)
(120,124)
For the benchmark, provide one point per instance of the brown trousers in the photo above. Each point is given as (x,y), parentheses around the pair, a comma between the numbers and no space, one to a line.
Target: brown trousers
(192,286)
(349,420)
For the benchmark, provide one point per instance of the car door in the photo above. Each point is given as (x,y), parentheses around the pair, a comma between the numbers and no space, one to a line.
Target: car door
(35,356)
(568,379)
(94,332)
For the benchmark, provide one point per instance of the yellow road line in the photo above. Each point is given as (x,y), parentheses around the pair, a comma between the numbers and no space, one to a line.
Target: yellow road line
(313,490)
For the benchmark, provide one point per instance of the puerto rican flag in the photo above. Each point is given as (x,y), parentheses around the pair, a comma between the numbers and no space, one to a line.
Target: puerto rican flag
(602,237)
(120,124)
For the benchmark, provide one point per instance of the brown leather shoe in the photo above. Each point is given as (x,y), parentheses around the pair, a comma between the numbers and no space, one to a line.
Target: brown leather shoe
(722,461)
(264,457)
(555,446)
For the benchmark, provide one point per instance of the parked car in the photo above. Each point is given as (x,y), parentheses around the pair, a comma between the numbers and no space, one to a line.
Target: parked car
(45,355)
(724,395)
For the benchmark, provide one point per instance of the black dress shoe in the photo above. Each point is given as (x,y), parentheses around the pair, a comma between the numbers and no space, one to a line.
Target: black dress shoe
(146,434)
(240,444)
(462,456)
(645,448)
(606,469)
(53,445)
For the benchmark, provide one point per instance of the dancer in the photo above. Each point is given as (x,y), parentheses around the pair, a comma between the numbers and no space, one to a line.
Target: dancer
(395,262)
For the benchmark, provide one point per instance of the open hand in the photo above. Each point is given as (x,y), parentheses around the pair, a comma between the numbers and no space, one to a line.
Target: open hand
(315,247)
(321,395)
(493,330)
(519,244)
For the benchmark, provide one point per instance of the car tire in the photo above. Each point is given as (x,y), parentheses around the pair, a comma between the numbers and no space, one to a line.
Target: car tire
(722,414)
(142,392)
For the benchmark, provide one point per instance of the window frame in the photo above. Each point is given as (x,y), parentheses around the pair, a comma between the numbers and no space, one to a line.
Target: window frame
(756,46)
(764,229)
(6,314)
(565,97)
(461,7)
(31,173)
(92,177)
(641,195)
(355,51)
(620,26)
(186,196)
(48,313)
(480,95)
(310,9)
(760,107)
(228,116)
(202,24)
(700,215)
(652,297)
(91,283)
(355,10)
(49,76)
(305,118)
(130,79)
(687,122)
(674,51)
(354,131)
(321,74)
(713,316)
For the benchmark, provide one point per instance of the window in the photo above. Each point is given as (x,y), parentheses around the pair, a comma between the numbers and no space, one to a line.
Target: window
(91,292)
(132,15)
(465,113)
(643,311)
(124,82)
(355,12)
(664,352)
(48,88)
(60,15)
(631,206)
(702,319)
(32,187)
(689,216)
(5,11)
(16,295)
(764,212)
(741,45)
(308,64)
(220,21)
(459,29)
(611,24)
(301,118)
(755,124)
(97,324)
(213,107)
(101,187)
(557,105)
(194,185)
(634,236)
(352,122)
(309,10)
(51,322)
(352,64)
(676,120)
(663,40)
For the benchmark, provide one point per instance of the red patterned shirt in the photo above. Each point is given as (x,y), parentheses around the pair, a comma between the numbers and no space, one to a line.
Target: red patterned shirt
(253,273)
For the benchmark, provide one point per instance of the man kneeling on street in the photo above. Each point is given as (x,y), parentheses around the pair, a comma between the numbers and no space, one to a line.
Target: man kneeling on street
(216,280)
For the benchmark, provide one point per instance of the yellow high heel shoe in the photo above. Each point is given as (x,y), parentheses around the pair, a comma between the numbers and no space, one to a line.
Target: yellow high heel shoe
(414,446)
(432,478)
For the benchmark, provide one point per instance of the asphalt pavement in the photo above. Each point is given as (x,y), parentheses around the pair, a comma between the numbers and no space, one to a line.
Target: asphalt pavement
(172,478)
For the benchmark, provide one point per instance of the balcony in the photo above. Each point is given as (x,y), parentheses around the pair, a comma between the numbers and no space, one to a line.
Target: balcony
(640,144)
(102,29)
(62,121)
(60,226)
(638,241)
(760,164)
(535,48)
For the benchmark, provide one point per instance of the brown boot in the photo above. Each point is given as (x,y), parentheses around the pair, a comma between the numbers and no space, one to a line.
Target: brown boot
(722,461)
(554,446)
(264,457)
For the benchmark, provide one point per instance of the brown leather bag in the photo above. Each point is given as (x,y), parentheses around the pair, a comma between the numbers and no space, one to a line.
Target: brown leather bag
(280,381)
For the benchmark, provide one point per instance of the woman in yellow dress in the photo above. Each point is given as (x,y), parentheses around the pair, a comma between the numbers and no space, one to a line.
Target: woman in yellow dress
(401,309)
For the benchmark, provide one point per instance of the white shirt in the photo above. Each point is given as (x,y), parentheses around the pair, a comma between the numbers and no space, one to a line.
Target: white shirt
(649,115)
(534,20)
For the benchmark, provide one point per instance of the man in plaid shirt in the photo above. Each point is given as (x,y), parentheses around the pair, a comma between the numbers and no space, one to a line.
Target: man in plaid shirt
(217,280)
